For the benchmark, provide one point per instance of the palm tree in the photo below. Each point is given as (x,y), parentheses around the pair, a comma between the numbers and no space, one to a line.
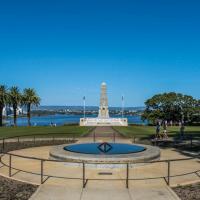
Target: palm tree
(30,98)
(3,101)
(15,98)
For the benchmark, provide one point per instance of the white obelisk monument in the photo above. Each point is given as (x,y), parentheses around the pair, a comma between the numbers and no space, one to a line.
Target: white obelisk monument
(103,118)
(103,108)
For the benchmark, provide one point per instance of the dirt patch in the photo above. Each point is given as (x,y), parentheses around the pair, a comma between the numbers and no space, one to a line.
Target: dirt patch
(188,192)
(11,189)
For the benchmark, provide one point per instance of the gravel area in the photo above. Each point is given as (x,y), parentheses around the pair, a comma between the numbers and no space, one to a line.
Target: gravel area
(188,192)
(28,144)
(15,190)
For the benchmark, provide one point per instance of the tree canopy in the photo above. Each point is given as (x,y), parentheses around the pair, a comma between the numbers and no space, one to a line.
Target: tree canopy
(171,106)
(13,97)
(3,101)
(30,98)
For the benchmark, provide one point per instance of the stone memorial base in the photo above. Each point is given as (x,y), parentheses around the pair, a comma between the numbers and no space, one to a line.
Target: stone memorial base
(103,122)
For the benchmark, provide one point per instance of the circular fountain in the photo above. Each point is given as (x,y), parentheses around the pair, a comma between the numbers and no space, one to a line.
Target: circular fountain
(105,153)
(104,148)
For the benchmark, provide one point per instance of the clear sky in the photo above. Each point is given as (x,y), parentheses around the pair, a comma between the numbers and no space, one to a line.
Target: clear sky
(65,49)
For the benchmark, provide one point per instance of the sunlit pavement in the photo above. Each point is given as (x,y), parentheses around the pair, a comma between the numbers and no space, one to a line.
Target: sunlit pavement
(57,188)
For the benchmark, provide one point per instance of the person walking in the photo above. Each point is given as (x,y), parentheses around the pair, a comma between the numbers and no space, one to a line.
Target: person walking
(157,136)
(165,136)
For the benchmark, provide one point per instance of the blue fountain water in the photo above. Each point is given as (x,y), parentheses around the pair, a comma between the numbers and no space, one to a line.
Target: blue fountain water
(104,148)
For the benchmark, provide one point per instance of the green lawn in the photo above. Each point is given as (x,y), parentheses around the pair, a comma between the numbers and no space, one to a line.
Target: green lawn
(18,131)
(145,131)
(130,131)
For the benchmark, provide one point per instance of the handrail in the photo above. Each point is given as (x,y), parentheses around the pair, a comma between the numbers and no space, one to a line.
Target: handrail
(189,134)
(81,162)
(46,134)
(76,136)
(51,160)
(42,160)
(42,134)
(90,162)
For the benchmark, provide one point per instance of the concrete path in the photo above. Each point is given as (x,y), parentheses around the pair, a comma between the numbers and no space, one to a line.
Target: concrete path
(104,131)
(68,189)
(104,190)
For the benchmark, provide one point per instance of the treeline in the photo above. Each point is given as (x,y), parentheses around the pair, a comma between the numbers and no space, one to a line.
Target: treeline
(14,98)
(174,107)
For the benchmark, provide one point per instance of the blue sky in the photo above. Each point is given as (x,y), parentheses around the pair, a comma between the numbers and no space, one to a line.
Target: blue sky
(65,49)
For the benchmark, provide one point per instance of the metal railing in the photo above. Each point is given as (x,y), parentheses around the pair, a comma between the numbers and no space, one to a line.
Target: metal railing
(71,138)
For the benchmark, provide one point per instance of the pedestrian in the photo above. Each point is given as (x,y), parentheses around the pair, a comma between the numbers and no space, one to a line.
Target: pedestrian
(157,136)
(165,136)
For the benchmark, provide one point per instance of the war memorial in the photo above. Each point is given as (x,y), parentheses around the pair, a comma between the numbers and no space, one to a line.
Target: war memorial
(103,118)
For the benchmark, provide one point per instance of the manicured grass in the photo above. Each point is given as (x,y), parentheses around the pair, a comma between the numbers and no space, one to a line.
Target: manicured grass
(18,131)
(130,131)
(146,131)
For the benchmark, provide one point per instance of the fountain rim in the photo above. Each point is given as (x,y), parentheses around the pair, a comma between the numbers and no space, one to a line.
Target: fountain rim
(150,154)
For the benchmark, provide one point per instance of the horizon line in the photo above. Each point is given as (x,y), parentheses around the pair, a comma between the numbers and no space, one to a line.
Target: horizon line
(88,106)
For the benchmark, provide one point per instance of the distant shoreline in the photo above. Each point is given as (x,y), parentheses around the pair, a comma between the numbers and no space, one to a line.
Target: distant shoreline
(63,119)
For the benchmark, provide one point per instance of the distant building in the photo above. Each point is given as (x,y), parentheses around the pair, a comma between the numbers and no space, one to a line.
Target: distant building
(9,111)
(4,111)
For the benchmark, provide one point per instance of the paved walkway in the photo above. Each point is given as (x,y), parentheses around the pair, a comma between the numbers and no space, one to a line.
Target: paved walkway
(104,190)
(106,132)
(58,189)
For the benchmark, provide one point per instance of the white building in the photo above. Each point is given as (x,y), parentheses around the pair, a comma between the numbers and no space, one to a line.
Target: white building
(4,111)
(9,111)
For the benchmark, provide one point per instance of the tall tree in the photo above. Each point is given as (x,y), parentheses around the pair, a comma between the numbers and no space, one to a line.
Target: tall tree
(15,98)
(3,101)
(170,106)
(30,98)
(196,115)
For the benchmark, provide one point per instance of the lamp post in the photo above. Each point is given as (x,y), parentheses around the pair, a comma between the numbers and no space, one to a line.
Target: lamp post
(84,106)
(122,106)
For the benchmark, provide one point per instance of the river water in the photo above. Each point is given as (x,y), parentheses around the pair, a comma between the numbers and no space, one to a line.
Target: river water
(59,120)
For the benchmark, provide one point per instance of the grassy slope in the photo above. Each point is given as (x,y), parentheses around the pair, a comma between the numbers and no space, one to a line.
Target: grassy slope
(17,131)
(150,130)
